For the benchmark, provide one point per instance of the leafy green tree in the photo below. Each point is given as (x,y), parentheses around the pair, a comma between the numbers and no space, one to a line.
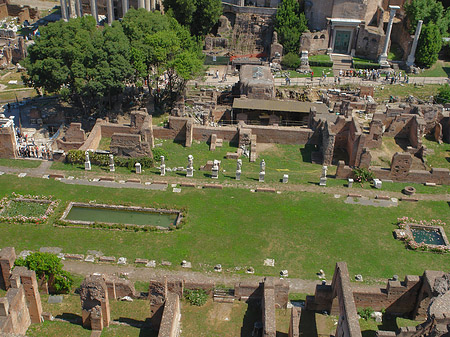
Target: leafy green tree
(430,43)
(291,61)
(290,23)
(80,61)
(443,95)
(430,11)
(49,267)
(199,15)
(162,48)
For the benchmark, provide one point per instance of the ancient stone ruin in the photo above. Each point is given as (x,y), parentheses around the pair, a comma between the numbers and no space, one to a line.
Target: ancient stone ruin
(94,303)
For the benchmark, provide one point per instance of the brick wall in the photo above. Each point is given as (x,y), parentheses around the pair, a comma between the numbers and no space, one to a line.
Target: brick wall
(7,258)
(268,308)
(170,321)
(7,143)
(30,286)
(14,316)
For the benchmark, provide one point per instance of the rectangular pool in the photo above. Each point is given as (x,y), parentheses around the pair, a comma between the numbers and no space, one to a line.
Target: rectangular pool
(429,236)
(85,213)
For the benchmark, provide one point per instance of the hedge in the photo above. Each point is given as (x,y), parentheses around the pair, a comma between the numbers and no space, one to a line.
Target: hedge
(78,157)
(325,64)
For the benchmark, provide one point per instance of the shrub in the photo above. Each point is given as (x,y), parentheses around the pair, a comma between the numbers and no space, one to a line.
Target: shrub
(366,313)
(196,297)
(291,61)
(48,265)
(78,157)
(443,94)
(430,43)
(158,152)
(362,175)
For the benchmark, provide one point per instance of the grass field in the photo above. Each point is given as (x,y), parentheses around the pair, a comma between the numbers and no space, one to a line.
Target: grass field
(280,159)
(419,91)
(439,69)
(20,163)
(303,232)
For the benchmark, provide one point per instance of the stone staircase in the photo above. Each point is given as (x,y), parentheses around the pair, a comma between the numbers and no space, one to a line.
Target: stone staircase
(223,295)
(341,62)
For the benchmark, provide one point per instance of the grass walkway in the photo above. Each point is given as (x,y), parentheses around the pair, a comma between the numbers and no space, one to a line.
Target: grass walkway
(302,231)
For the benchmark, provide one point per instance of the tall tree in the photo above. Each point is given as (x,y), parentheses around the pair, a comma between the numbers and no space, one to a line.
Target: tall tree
(290,23)
(430,43)
(428,11)
(199,15)
(80,60)
(162,48)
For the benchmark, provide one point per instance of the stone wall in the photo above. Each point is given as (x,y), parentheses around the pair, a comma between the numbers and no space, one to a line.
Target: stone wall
(245,291)
(170,322)
(370,42)
(95,136)
(294,323)
(315,43)
(73,138)
(3,11)
(401,171)
(119,287)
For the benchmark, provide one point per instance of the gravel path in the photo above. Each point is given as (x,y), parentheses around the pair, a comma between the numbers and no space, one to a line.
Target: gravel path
(145,274)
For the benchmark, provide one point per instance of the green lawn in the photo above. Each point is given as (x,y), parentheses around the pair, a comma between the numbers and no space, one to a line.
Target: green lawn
(317,72)
(28,209)
(280,159)
(303,232)
(104,144)
(24,163)
(440,157)
(439,69)
(419,91)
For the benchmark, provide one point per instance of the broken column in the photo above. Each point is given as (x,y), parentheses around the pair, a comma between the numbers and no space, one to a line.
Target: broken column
(138,168)
(262,171)
(189,132)
(111,163)
(163,166)
(383,57)
(190,167)
(323,177)
(411,57)
(87,162)
(238,169)
(94,303)
(215,170)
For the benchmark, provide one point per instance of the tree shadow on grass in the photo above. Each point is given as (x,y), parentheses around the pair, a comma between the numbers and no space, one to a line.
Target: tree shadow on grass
(306,152)
(447,70)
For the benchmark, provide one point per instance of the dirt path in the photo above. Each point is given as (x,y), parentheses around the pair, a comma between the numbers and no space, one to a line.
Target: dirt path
(145,274)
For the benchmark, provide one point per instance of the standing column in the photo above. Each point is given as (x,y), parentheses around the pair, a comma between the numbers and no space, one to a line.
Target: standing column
(124,7)
(78,8)
(94,10)
(109,8)
(152,5)
(411,57)
(147,5)
(141,4)
(383,56)
(64,10)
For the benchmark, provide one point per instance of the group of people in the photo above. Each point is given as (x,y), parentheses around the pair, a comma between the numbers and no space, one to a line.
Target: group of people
(373,75)
(29,149)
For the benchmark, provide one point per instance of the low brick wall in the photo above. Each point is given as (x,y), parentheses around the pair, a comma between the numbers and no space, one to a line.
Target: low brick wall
(268,309)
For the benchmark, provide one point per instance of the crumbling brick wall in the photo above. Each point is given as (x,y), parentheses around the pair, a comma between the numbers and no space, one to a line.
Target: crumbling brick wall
(7,143)
(28,279)
(7,258)
(94,303)
(14,315)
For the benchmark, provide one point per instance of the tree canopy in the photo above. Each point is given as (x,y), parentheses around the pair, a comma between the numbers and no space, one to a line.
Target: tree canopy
(290,23)
(49,267)
(78,58)
(199,15)
(91,65)
(430,11)
(430,43)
